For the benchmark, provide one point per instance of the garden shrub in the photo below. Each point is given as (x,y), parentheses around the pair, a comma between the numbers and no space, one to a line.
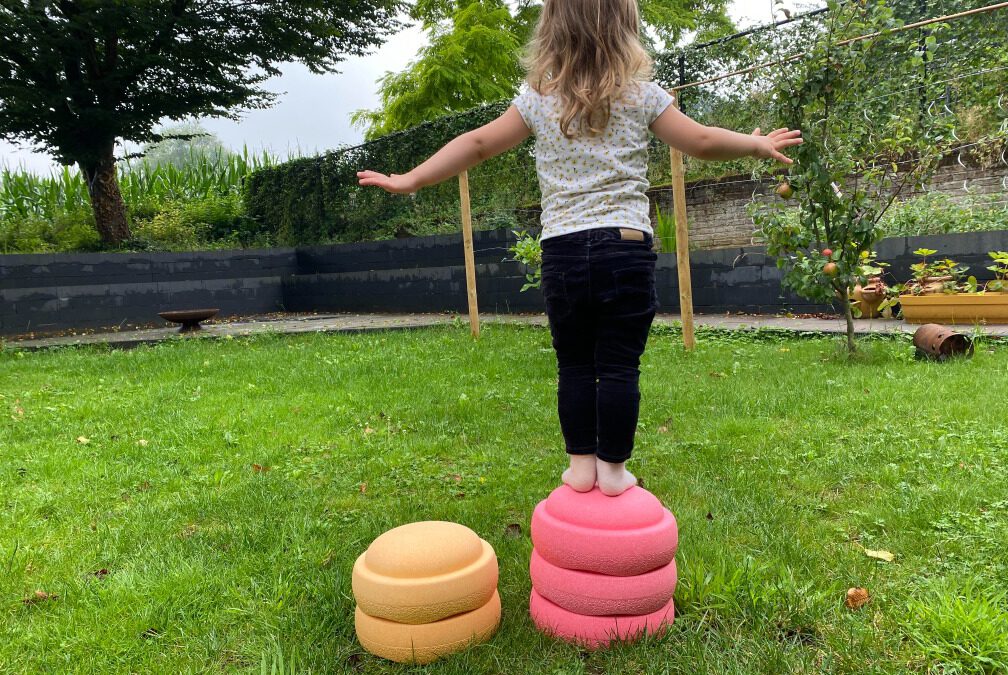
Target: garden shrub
(62,232)
(317,199)
(214,221)
(940,213)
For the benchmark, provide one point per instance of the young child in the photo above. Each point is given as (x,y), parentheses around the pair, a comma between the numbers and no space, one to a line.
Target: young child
(590,104)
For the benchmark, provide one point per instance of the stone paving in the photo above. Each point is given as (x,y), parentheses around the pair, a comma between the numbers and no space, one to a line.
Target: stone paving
(349,323)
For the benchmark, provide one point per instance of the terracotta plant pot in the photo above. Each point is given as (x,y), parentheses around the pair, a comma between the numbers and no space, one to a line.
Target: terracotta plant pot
(956,308)
(869,297)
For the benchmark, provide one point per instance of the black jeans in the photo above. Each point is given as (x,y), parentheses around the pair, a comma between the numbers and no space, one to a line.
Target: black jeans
(600,300)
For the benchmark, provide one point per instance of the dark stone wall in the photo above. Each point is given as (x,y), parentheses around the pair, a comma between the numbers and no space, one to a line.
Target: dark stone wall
(44,293)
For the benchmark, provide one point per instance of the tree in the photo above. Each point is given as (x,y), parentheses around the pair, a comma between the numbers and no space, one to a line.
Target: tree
(866,144)
(181,143)
(474,48)
(78,75)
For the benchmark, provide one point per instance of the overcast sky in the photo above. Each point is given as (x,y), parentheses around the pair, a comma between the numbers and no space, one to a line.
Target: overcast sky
(313,111)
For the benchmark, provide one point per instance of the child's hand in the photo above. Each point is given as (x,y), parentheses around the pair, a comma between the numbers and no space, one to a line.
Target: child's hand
(770,146)
(397,184)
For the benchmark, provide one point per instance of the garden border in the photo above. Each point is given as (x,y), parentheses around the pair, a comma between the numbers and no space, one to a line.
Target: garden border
(52,293)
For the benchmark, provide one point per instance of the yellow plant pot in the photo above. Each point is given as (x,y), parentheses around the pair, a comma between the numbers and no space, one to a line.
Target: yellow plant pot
(957,309)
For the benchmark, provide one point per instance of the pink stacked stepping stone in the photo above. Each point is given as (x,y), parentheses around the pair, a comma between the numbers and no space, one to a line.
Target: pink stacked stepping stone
(602,568)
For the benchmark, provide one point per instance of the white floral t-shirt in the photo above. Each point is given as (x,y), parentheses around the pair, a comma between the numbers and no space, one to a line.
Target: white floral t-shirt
(599,181)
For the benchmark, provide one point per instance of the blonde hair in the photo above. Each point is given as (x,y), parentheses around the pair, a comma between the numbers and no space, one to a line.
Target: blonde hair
(586,52)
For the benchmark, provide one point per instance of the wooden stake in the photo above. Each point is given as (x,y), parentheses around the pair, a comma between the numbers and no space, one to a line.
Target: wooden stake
(682,243)
(470,262)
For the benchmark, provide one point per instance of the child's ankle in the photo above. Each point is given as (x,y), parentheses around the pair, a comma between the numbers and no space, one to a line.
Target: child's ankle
(580,475)
(613,478)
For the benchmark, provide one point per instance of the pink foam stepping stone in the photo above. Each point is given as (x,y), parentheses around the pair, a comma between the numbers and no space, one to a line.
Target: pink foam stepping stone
(627,535)
(596,631)
(592,594)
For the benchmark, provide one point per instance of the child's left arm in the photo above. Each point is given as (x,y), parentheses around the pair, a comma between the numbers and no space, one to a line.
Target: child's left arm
(460,154)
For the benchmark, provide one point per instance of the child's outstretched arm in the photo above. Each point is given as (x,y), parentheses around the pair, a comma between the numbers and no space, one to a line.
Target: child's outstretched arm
(715,143)
(458,155)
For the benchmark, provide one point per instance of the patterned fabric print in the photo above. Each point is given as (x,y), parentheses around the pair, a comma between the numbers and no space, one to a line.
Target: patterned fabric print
(589,182)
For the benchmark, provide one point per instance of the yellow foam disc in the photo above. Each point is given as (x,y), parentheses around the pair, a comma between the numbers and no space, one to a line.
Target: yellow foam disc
(424,572)
(423,643)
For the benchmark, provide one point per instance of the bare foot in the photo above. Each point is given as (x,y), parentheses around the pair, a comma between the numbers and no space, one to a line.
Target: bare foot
(580,476)
(614,479)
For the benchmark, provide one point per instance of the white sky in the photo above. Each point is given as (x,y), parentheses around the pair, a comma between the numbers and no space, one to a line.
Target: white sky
(313,112)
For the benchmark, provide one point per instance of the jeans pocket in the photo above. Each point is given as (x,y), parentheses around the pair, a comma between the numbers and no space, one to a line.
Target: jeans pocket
(635,287)
(554,289)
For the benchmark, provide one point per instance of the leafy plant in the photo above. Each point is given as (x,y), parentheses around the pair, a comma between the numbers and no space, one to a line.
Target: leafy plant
(528,251)
(665,231)
(1000,270)
(940,213)
(944,275)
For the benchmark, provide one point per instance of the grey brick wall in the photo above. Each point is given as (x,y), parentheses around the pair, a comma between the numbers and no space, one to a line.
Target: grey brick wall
(718,216)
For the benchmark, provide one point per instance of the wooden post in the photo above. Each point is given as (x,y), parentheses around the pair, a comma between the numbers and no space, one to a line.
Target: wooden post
(470,262)
(682,243)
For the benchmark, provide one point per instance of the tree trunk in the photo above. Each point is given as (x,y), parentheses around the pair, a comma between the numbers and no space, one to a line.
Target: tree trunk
(844,295)
(106,199)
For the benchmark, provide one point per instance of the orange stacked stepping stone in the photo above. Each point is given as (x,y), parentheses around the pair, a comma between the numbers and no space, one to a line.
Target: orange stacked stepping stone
(425,590)
(602,567)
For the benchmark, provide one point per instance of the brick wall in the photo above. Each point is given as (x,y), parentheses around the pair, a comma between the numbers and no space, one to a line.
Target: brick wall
(717,210)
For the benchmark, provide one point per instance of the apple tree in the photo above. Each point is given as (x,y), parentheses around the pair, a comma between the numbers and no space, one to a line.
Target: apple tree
(866,144)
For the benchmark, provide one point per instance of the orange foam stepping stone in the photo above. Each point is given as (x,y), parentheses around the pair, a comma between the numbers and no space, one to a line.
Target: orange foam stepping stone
(423,643)
(596,631)
(424,572)
(627,535)
(593,594)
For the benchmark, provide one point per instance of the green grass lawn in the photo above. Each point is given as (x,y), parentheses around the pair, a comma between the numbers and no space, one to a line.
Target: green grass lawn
(130,492)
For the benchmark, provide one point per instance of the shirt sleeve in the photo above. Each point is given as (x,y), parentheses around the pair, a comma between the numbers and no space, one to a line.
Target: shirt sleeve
(526,107)
(656,101)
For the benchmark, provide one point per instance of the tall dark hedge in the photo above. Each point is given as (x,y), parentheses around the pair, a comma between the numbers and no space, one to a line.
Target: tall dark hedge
(317,199)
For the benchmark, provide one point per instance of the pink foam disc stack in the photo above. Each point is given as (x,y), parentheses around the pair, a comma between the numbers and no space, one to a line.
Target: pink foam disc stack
(602,568)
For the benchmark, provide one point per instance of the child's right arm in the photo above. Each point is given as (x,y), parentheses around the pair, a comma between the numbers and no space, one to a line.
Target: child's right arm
(457,156)
(715,143)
